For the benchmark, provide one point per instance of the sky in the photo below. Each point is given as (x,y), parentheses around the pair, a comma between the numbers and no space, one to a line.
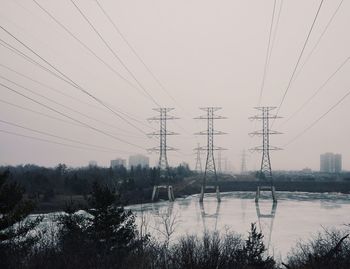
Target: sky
(82,93)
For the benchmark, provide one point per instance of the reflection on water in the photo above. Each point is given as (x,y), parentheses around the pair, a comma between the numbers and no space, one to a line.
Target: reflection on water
(206,216)
(299,216)
(266,220)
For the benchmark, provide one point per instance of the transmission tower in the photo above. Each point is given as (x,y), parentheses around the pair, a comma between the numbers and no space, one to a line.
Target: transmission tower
(198,166)
(162,149)
(210,169)
(243,163)
(265,175)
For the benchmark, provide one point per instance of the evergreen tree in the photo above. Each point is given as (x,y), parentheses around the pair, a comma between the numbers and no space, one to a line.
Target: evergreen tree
(15,227)
(254,252)
(102,237)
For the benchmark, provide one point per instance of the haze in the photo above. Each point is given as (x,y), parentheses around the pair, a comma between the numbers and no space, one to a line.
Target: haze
(205,53)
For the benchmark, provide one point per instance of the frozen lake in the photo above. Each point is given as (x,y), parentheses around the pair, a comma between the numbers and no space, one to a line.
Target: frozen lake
(296,216)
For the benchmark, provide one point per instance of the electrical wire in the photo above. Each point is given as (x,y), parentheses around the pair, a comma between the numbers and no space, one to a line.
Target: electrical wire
(160,84)
(72,97)
(38,113)
(85,46)
(71,118)
(267,53)
(319,119)
(57,103)
(276,29)
(57,136)
(56,90)
(307,58)
(49,141)
(64,78)
(115,54)
(49,87)
(317,91)
(55,118)
(299,58)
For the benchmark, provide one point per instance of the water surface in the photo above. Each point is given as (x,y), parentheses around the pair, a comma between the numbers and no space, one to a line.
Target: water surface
(296,216)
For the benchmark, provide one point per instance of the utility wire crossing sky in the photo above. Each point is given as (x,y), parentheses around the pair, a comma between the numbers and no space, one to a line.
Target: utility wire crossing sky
(79,79)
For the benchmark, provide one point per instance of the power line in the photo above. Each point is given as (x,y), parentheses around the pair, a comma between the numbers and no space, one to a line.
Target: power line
(317,91)
(85,46)
(115,54)
(48,86)
(300,55)
(55,118)
(47,140)
(56,136)
(135,52)
(71,118)
(319,39)
(267,53)
(319,119)
(160,84)
(29,59)
(276,28)
(37,112)
(62,105)
(57,103)
(64,78)
(72,97)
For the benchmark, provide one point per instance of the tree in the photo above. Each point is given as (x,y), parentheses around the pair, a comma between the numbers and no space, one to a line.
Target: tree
(102,237)
(254,250)
(15,238)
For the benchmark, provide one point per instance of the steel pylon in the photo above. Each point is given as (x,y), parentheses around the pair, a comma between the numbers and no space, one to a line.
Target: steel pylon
(198,166)
(210,168)
(265,175)
(163,148)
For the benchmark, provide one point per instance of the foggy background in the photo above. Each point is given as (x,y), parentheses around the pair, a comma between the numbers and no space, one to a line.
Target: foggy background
(205,53)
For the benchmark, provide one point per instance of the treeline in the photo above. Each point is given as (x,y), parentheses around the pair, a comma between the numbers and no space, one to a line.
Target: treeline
(105,236)
(43,183)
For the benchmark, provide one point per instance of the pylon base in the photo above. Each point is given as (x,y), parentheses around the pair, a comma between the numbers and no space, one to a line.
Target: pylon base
(169,189)
(265,188)
(217,190)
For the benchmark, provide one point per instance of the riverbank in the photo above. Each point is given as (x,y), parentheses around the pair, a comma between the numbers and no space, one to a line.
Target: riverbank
(60,201)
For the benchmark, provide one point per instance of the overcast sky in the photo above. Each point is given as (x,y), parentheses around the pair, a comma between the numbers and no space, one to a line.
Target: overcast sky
(204,53)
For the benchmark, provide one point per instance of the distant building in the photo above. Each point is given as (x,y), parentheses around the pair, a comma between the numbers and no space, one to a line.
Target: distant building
(330,163)
(306,170)
(337,163)
(92,164)
(118,162)
(136,160)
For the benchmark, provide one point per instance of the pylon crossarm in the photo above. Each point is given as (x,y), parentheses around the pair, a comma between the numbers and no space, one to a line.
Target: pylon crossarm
(265,148)
(210,168)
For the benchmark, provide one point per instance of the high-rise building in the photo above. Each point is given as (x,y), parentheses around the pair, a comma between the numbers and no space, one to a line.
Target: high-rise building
(330,163)
(136,160)
(337,163)
(118,162)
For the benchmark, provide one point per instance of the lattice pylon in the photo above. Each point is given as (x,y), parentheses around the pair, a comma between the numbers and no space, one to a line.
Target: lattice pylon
(163,148)
(198,166)
(210,168)
(265,175)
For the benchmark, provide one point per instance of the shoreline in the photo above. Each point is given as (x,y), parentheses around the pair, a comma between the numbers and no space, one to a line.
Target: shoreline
(59,201)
